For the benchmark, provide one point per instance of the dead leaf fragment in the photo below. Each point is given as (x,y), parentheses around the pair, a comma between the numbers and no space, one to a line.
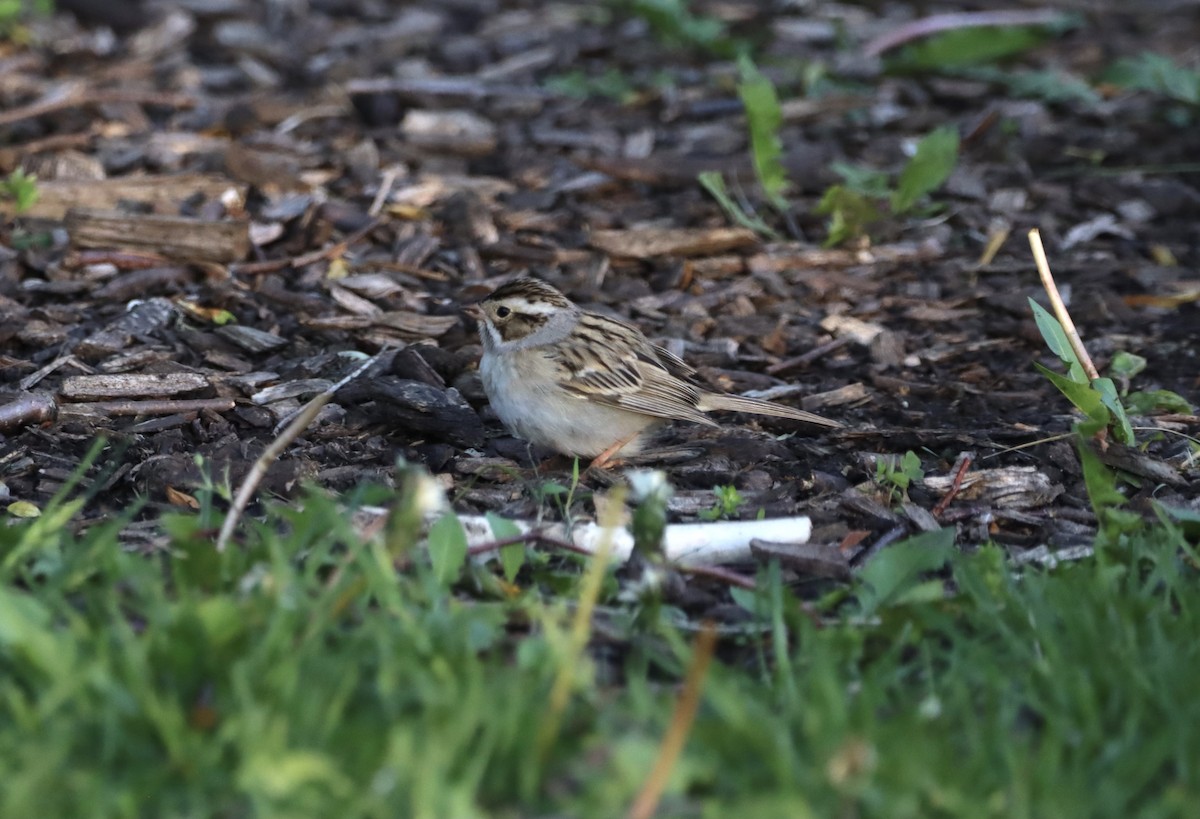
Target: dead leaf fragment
(177,498)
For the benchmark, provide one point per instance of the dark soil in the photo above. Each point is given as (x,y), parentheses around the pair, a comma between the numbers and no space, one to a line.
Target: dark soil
(396,161)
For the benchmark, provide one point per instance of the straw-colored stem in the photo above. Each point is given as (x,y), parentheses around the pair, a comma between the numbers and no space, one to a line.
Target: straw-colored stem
(1060,309)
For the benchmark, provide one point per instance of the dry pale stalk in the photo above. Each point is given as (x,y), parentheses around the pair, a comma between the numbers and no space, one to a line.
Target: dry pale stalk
(681,725)
(292,432)
(1060,309)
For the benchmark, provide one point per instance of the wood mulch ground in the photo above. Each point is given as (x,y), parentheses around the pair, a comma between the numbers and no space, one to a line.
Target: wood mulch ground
(235,195)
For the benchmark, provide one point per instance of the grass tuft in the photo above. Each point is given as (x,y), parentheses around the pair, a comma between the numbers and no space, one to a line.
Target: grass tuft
(300,674)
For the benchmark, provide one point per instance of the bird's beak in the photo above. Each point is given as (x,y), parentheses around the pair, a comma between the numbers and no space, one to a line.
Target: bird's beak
(474,311)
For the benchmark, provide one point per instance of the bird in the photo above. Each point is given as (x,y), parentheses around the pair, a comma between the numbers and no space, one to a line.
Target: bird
(586,384)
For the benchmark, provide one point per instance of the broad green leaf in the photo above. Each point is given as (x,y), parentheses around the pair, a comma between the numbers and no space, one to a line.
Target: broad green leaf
(447,548)
(23,509)
(862,179)
(1107,391)
(1056,339)
(968,46)
(1107,501)
(849,214)
(1126,365)
(576,83)
(1143,403)
(1085,399)
(29,635)
(936,156)
(35,533)
(1049,86)
(764,117)
(749,599)
(897,570)
(910,465)
(512,558)
(675,24)
(1157,74)
(1180,514)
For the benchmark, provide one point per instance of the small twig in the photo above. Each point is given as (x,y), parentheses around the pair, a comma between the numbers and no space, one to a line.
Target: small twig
(273,265)
(1048,440)
(682,719)
(1060,309)
(1191,459)
(726,576)
(31,380)
(337,248)
(80,98)
(940,509)
(259,470)
(385,190)
(528,538)
(469,87)
(812,355)
(886,539)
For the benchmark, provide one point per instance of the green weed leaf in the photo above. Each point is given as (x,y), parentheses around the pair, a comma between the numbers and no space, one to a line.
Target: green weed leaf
(447,548)
(612,84)
(1107,501)
(714,183)
(764,117)
(1144,403)
(935,158)
(1085,399)
(21,188)
(968,46)
(896,571)
(1125,365)
(1157,74)
(512,558)
(850,214)
(1056,339)
(862,179)
(1107,391)
(1047,86)
(674,24)
(28,634)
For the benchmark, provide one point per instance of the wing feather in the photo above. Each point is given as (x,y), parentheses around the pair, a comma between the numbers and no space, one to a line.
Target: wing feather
(630,373)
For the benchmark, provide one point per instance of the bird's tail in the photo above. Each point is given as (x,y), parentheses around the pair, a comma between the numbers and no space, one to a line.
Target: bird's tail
(736,403)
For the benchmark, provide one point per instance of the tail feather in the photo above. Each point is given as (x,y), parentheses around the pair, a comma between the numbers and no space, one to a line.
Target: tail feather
(736,403)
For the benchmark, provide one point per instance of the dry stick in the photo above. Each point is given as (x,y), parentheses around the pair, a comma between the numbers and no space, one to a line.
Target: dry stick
(681,724)
(940,509)
(385,190)
(336,249)
(1060,309)
(259,470)
(528,538)
(80,98)
(719,574)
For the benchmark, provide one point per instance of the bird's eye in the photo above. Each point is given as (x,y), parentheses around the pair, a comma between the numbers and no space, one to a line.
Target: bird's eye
(503,312)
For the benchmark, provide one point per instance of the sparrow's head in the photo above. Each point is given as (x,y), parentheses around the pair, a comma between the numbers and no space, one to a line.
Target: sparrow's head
(521,308)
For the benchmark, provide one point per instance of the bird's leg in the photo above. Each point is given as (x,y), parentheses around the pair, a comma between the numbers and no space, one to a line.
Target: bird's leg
(604,457)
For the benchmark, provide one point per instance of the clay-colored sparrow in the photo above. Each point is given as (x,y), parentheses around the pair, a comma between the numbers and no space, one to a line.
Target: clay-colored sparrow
(586,384)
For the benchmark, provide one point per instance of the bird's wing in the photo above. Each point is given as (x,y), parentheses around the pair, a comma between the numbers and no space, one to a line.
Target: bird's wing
(628,372)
